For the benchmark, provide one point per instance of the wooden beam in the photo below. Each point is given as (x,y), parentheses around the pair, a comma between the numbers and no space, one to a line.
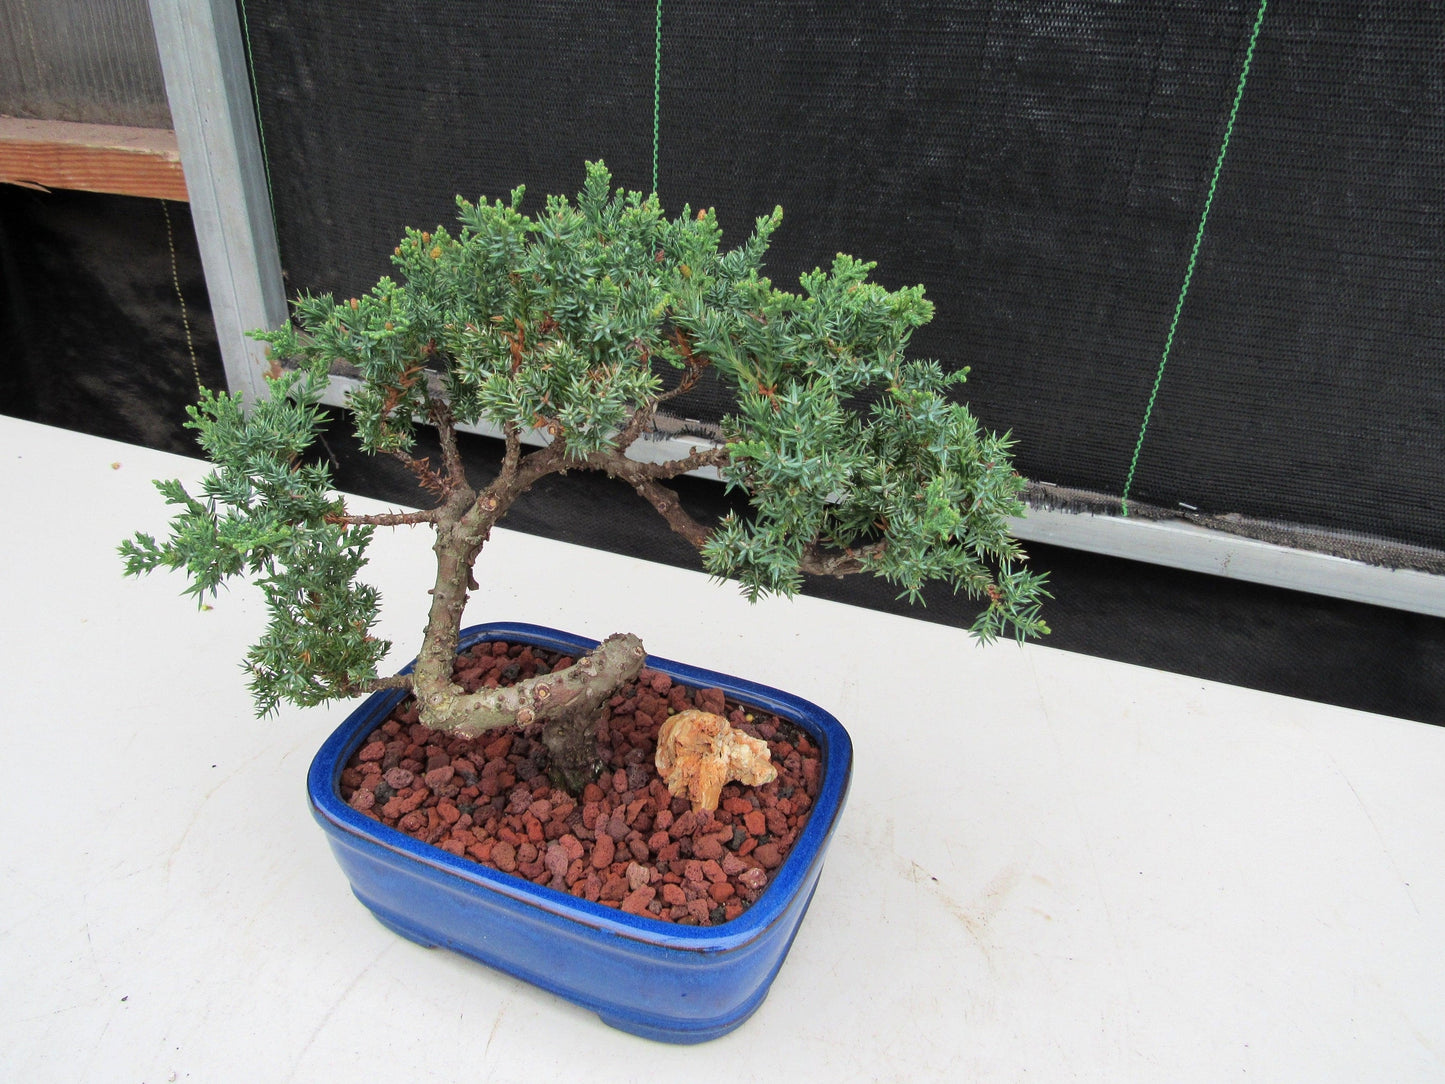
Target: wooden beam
(47,154)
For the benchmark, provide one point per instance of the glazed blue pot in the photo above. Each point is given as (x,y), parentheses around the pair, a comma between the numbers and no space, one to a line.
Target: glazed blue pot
(680,984)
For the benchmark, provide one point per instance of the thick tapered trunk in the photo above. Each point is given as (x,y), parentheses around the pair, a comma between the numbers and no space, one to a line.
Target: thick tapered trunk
(565,703)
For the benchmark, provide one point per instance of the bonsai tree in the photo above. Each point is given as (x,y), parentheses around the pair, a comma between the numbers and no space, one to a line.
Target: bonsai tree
(852,458)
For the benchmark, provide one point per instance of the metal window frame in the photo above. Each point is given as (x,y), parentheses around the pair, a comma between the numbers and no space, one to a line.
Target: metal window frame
(207,81)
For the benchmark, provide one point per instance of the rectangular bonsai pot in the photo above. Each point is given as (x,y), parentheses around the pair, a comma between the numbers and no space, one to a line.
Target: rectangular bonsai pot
(681,984)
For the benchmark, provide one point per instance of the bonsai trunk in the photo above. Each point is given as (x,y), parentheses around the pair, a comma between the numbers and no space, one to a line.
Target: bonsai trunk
(571,741)
(564,703)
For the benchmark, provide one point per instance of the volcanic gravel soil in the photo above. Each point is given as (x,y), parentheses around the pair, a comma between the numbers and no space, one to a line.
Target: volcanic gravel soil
(625,842)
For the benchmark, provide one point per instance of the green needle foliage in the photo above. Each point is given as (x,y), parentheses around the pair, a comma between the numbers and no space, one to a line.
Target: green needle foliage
(853,458)
(262,512)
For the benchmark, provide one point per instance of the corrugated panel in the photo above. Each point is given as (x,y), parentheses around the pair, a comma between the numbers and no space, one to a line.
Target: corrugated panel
(81,60)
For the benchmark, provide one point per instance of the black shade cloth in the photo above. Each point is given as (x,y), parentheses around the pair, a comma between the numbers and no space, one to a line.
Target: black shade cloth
(1040,167)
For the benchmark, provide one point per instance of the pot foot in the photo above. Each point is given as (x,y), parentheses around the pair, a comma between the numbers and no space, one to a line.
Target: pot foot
(688,1032)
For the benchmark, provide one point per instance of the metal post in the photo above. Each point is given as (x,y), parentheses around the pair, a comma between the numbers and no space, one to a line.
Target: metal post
(204,63)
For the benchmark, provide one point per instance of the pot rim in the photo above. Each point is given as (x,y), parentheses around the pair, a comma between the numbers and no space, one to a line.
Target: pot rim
(808,849)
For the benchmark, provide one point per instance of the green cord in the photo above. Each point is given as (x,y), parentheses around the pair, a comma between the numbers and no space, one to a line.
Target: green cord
(256,104)
(656,91)
(1193,256)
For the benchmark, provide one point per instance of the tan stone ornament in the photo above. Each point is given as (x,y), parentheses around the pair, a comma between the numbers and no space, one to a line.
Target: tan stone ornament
(698,752)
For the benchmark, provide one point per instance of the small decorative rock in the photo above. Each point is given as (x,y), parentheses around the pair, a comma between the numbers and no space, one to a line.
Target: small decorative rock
(699,752)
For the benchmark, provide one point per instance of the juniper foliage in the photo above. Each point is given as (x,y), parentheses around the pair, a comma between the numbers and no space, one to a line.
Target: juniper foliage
(853,458)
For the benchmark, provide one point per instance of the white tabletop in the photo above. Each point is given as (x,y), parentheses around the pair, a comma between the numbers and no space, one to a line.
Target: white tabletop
(1051,866)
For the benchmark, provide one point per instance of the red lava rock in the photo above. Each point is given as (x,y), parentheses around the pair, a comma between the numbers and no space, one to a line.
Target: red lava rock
(617,826)
(504,857)
(437,778)
(625,841)
(603,851)
(399,778)
(713,700)
(636,901)
(768,856)
(557,861)
(533,828)
(673,896)
(684,825)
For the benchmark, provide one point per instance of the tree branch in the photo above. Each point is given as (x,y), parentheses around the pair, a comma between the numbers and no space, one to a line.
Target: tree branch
(617,465)
(839,563)
(642,418)
(513,436)
(441,417)
(386,519)
(665,503)
(427,478)
(713,456)
(392,681)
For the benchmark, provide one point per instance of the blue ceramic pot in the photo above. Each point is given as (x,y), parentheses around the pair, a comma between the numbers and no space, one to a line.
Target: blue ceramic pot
(681,984)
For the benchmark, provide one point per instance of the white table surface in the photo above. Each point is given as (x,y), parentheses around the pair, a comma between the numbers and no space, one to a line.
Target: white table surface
(1051,867)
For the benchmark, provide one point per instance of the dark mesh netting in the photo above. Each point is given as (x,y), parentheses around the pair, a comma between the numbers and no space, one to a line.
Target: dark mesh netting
(1041,167)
